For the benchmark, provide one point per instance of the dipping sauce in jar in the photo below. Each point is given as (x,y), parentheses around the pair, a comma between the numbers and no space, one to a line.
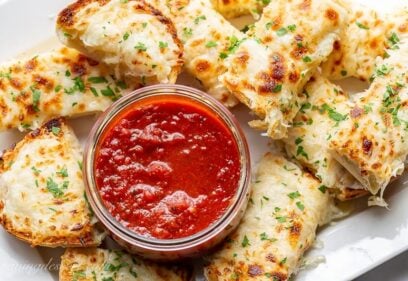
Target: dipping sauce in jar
(167,167)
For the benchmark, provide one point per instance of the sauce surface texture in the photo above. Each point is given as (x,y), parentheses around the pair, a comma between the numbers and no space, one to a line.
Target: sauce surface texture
(167,168)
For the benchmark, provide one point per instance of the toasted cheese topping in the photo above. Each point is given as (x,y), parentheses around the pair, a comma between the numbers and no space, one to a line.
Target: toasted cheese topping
(102,265)
(279,225)
(372,144)
(42,195)
(366,37)
(208,38)
(54,84)
(236,8)
(325,108)
(284,48)
(132,37)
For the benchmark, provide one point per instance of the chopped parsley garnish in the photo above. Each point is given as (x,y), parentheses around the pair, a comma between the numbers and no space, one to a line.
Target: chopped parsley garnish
(294,195)
(393,40)
(245,242)
(282,262)
(54,189)
(343,73)
(269,25)
(78,86)
(55,130)
(58,88)
(281,219)
(300,205)
(333,114)
(67,73)
(141,47)
(108,92)
(211,44)
(246,28)
(307,59)
(122,85)
(223,55)
(97,80)
(187,32)
(302,152)
(298,141)
(126,36)
(277,88)
(367,108)
(163,45)
(112,268)
(76,275)
(5,74)
(292,27)
(35,171)
(199,18)
(36,98)
(382,70)
(323,188)
(264,237)
(305,106)
(63,172)
(362,26)
(282,31)
(94,91)
(233,46)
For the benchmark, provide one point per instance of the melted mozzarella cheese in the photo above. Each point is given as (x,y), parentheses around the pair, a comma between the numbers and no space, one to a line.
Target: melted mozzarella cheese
(326,106)
(367,36)
(207,38)
(59,83)
(279,225)
(236,8)
(269,69)
(373,144)
(97,264)
(132,37)
(42,195)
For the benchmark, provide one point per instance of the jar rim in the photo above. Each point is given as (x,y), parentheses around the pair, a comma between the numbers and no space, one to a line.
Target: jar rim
(152,243)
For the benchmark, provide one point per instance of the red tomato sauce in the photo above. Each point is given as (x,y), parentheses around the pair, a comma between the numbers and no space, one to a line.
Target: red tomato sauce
(167,168)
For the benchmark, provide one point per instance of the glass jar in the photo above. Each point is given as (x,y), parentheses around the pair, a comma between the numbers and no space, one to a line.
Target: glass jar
(168,249)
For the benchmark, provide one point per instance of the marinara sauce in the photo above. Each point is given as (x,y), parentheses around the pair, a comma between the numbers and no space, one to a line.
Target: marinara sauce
(167,168)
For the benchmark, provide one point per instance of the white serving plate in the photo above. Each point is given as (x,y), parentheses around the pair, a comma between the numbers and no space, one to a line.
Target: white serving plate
(351,247)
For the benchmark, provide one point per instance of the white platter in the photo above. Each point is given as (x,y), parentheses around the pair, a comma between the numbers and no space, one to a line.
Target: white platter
(351,247)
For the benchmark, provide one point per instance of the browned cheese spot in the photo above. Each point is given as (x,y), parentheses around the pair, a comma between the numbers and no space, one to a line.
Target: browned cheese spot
(337,45)
(332,15)
(254,270)
(294,235)
(356,112)
(31,65)
(305,5)
(16,84)
(202,66)
(270,257)
(278,276)
(367,146)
